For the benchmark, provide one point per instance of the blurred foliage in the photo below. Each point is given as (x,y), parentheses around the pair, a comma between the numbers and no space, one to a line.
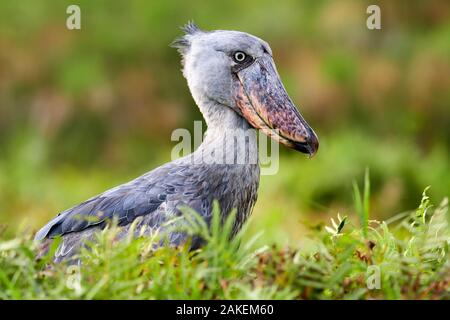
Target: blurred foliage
(84,110)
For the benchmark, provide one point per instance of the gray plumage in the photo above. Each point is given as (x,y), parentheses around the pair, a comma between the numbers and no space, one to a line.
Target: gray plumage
(224,95)
(156,197)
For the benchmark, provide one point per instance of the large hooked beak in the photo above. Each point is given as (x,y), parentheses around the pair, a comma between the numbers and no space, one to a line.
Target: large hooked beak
(265,104)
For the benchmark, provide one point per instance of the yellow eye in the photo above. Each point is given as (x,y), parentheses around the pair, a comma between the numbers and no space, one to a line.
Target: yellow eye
(239,56)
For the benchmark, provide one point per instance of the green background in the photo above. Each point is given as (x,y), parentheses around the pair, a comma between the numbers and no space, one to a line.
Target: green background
(84,110)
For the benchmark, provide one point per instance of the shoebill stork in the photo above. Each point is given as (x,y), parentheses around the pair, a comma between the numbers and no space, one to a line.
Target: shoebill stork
(233,80)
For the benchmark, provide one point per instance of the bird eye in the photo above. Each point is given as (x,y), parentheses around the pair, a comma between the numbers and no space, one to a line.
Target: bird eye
(239,56)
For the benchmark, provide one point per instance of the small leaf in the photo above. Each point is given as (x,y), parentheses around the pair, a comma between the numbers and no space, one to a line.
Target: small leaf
(330,230)
(341,225)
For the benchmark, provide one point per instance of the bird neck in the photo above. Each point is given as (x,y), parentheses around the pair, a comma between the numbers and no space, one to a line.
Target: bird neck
(229,138)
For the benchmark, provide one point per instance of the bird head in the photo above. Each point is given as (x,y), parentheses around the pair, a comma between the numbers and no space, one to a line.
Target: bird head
(236,70)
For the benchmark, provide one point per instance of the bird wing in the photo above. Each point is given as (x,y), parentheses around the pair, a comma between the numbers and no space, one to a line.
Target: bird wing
(125,203)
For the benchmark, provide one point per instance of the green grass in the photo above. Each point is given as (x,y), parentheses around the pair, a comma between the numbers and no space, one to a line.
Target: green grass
(403,258)
(362,203)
